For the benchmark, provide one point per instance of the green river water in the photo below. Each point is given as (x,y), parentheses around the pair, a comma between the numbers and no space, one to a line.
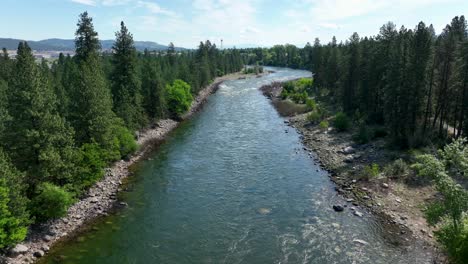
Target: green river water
(230,186)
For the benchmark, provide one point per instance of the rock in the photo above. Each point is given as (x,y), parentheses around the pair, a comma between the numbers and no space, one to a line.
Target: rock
(384,185)
(335,225)
(349,159)
(45,248)
(18,250)
(348,150)
(39,253)
(264,211)
(357,213)
(350,200)
(359,241)
(94,200)
(338,208)
(366,197)
(398,200)
(47,238)
(123,204)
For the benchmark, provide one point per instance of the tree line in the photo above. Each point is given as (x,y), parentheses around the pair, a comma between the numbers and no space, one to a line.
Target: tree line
(61,124)
(413,81)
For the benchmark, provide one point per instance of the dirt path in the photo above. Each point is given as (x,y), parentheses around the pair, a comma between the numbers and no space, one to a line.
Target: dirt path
(101,199)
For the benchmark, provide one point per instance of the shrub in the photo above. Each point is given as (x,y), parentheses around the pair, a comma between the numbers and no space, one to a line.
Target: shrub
(51,202)
(179,98)
(324,124)
(363,135)
(396,169)
(370,171)
(127,143)
(341,122)
(14,217)
(313,117)
(299,98)
(284,94)
(311,105)
(449,212)
(91,167)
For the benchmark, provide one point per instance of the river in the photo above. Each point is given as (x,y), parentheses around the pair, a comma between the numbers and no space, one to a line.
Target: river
(233,185)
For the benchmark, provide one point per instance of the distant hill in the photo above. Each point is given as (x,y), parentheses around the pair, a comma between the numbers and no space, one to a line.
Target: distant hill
(69,44)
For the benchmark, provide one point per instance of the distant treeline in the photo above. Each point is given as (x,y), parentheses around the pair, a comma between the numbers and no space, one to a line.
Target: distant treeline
(411,80)
(61,124)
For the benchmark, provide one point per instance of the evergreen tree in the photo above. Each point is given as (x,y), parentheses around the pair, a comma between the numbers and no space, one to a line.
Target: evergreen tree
(125,82)
(38,139)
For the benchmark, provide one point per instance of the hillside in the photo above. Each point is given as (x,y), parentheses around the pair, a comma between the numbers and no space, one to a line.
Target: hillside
(68,44)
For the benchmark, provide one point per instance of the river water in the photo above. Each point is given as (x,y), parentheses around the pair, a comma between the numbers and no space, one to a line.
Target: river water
(231,186)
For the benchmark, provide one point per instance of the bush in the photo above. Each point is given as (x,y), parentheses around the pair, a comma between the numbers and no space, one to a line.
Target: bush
(313,117)
(179,98)
(341,122)
(370,171)
(51,202)
(396,169)
(311,105)
(363,135)
(324,124)
(91,167)
(127,143)
(299,98)
(14,217)
(454,241)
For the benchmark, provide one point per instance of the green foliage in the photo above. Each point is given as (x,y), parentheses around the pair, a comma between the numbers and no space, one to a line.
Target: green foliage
(91,167)
(370,171)
(14,217)
(126,86)
(311,105)
(341,122)
(451,210)
(50,202)
(314,117)
(324,124)
(299,98)
(127,143)
(179,98)
(363,135)
(397,169)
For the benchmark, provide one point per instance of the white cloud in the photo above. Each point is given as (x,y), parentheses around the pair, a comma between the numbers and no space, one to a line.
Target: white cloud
(329,25)
(114,2)
(85,2)
(155,8)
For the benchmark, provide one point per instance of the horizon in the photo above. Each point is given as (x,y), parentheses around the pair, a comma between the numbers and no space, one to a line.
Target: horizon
(241,23)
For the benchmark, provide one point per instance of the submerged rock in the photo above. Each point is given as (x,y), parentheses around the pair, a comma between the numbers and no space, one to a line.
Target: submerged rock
(357,213)
(264,211)
(338,208)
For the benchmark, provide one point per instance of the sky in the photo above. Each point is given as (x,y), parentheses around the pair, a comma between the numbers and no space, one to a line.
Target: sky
(239,23)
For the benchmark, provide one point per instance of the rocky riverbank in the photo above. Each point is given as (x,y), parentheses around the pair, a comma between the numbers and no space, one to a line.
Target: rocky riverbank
(395,204)
(101,199)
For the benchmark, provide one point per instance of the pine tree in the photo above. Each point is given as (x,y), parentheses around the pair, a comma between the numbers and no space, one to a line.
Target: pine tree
(125,82)
(152,88)
(91,104)
(38,139)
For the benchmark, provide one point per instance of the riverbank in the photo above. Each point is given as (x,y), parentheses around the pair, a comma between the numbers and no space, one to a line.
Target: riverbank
(102,198)
(394,203)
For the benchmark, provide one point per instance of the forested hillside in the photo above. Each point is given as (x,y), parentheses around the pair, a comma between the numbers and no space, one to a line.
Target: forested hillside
(412,80)
(62,123)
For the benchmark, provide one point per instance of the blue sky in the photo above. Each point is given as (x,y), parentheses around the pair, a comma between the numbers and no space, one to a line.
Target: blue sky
(259,22)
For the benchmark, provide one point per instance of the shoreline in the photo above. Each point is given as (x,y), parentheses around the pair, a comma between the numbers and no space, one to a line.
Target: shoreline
(392,203)
(101,199)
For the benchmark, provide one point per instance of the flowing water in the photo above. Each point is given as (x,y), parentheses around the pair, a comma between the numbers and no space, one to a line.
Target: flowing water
(231,186)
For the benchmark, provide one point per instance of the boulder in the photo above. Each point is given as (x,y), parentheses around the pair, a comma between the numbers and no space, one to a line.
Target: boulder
(47,238)
(359,241)
(348,150)
(384,185)
(338,208)
(39,253)
(18,250)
